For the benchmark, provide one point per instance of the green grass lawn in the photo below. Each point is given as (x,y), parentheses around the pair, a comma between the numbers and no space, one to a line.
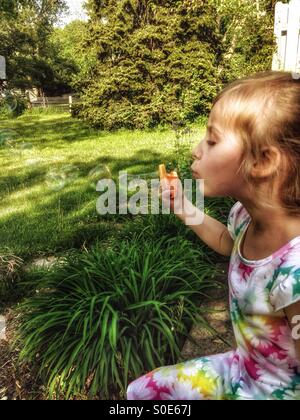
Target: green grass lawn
(49,166)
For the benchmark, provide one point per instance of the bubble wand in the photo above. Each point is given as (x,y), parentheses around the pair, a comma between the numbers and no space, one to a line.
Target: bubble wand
(170,178)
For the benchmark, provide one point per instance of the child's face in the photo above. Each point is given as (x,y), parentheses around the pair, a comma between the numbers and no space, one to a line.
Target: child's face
(218,157)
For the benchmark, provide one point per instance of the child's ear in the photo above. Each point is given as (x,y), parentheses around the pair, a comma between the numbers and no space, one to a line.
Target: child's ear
(268,163)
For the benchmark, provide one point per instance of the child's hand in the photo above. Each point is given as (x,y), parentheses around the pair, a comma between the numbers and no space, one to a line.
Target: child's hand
(172,192)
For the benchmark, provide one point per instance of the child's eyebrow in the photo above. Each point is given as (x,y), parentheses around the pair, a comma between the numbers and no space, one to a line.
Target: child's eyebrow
(212,128)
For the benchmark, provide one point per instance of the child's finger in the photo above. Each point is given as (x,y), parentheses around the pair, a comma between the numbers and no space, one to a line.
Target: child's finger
(166,195)
(164,184)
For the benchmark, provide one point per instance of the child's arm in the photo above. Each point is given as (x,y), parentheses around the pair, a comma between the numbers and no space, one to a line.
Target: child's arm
(211,231)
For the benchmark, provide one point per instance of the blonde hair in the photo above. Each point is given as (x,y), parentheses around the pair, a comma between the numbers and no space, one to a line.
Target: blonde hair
(264,109)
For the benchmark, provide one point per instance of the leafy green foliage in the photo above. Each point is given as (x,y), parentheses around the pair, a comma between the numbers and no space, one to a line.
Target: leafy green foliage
(25,30)
(12,105)
(155,63)
(159,62)
(106,316)
(72,61)
(10,275)
(247,38)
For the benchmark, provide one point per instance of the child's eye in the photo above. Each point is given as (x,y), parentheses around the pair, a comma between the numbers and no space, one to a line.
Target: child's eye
(210,143)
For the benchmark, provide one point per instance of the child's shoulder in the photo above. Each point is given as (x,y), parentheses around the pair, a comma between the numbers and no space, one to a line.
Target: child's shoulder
(237,219)
(286,279)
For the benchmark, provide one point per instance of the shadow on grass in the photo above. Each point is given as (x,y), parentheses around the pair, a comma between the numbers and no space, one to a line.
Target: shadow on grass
(57,220)
(144,161)
(51,221)
(68,219)
(57,132)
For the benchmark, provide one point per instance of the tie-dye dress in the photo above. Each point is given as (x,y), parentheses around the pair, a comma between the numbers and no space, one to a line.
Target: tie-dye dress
(264,365)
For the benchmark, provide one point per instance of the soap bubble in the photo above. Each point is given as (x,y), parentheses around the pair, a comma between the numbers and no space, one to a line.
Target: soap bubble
(97,173)
(8,138)
(11,102)
(58,179)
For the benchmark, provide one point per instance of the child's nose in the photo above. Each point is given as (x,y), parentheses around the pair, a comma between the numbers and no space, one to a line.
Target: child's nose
(196,154)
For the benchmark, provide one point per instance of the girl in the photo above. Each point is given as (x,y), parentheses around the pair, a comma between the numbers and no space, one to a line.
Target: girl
(251,152)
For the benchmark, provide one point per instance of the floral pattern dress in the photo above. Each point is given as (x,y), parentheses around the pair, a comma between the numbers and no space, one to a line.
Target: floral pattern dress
(264,365)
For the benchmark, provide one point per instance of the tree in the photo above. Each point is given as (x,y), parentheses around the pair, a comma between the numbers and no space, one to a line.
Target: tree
(25,29)
(247,33)
(10,7)
(155,62)
(69,58)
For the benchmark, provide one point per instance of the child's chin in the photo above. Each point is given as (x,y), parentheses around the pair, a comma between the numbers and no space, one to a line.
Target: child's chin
(210,194)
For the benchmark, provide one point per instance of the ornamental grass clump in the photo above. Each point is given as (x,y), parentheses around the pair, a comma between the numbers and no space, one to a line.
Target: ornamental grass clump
(108,315)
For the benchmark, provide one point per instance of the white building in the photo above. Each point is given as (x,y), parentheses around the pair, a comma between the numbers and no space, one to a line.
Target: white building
(287,27)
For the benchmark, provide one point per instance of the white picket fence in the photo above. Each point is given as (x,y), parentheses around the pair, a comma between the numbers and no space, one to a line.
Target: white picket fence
(287,31)
(64,101)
